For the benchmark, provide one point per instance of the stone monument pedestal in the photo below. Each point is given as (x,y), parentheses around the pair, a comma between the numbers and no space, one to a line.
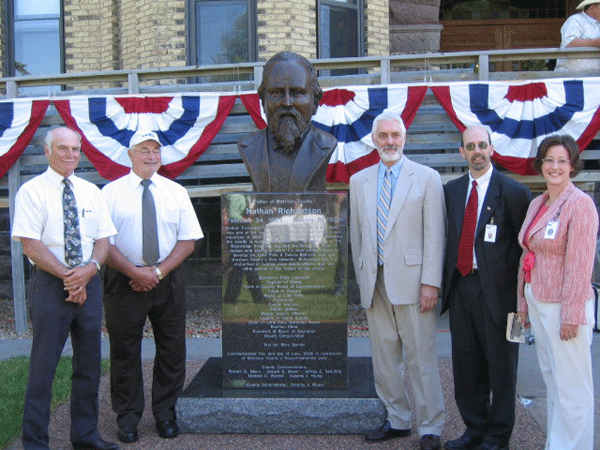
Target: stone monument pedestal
(205,407)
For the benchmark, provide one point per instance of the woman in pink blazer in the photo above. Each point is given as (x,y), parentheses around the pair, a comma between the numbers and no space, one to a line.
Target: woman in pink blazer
(559,241)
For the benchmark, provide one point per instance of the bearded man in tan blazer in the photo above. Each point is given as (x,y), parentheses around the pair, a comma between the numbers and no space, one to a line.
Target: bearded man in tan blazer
(399,280)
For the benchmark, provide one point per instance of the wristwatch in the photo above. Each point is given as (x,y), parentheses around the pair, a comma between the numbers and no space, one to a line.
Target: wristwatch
(159,274)
(98,266)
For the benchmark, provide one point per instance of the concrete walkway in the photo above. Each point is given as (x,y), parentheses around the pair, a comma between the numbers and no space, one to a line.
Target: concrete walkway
(530,387)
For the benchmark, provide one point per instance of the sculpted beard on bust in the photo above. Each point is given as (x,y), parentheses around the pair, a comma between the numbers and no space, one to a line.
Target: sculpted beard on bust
(287,128)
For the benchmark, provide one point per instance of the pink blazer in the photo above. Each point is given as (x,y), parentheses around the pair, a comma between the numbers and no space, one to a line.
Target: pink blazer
(563,265)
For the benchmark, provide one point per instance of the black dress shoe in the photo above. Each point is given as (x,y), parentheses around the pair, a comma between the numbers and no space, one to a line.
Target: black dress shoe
(467,441)
(386,432)
(167,429)
(100,444)
(430,442)
(487,446)
(128,434)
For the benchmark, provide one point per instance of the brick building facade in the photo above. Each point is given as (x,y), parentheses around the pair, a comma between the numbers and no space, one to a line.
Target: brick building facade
(104,35)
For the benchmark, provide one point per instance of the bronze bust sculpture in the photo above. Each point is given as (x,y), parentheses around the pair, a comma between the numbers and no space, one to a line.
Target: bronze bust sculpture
(291,154)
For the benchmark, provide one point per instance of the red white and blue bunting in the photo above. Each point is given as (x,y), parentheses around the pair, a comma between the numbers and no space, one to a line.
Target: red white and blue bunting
(518,114)
(348,114)
(19,119)
(185,123)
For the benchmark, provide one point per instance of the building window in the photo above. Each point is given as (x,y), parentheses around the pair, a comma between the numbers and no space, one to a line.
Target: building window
(221,32)
(34,44)
(340,31)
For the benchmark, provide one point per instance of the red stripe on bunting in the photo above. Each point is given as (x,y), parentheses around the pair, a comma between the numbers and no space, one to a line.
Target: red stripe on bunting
(336,97)
(414,98)
(520,166)
(141,105)
(526,92)
(105,166)
(442,93)
(337,172)
(362,163)
(175,169)
(252,104)
(590,132)
(38,110)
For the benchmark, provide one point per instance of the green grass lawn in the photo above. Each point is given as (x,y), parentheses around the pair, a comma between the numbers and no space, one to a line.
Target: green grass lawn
(13,381)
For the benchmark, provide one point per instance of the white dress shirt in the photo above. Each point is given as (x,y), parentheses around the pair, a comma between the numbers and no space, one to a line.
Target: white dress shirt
(482,186)
(39,213)
(176,218)
(578,26)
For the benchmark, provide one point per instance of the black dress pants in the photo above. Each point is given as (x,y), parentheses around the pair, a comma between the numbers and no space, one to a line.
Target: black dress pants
(125,313)
(483,362)
(52,320)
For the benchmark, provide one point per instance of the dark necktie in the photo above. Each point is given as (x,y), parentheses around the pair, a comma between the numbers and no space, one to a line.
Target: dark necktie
(149,231)
(383,211)
(73,250)
(464,262)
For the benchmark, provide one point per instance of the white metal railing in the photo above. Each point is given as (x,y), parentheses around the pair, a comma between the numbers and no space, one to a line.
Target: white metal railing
(429,67)
(378,69)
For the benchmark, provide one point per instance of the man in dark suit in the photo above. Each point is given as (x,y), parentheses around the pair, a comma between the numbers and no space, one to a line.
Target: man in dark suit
(290,155)
(485,212)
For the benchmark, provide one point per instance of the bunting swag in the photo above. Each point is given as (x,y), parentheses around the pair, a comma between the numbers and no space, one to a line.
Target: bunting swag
(348,114)
(521,115)
(19,119)
(185,123)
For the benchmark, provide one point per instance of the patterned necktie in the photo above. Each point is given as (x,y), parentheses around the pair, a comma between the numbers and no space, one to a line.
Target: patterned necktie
(149,230)
(383,211)
(73,251)
(464,262)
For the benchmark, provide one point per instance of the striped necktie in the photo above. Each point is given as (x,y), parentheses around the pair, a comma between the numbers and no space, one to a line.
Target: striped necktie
(383,211)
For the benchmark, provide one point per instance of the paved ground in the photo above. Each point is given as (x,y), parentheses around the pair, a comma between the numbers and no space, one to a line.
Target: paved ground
(528,434)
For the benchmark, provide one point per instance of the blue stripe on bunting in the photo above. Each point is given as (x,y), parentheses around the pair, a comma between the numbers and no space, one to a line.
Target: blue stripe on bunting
(527,129)
(178,128)
(7,114)
(106,127)
(181,126)
(361,127)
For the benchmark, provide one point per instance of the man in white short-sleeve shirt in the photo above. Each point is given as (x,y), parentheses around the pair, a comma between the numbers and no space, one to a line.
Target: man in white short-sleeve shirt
(141,283)
(65,295)
(581,30)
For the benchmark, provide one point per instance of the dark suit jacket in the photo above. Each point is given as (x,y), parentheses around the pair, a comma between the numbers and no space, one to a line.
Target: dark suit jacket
(506,202)
(310,165)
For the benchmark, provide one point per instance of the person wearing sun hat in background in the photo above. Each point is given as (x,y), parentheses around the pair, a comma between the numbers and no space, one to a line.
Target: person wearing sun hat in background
(581,30)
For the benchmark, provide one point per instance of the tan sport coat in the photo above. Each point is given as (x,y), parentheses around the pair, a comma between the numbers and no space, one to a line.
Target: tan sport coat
(415,235)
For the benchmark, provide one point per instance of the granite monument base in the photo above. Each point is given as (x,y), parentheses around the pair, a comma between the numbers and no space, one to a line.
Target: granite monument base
(205,407)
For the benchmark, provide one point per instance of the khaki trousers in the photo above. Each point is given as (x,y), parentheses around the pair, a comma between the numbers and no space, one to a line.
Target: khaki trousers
(401,334)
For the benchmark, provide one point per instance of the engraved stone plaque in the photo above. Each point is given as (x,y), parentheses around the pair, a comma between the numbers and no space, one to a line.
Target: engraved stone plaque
(285,308)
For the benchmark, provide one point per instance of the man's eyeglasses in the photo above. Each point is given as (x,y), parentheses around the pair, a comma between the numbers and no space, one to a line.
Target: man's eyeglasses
(149,152)
(473,145)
